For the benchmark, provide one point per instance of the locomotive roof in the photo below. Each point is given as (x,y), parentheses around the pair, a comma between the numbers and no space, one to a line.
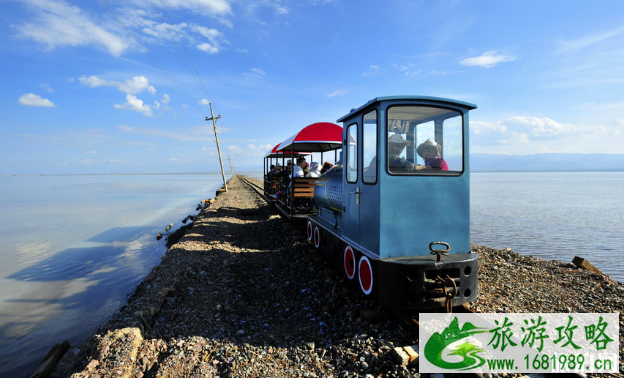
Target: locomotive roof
(428,99)
(317,137)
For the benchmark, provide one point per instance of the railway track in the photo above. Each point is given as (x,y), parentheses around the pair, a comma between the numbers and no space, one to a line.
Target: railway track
(256,188)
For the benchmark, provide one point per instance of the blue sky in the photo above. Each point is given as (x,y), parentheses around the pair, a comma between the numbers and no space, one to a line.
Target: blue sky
(79,95)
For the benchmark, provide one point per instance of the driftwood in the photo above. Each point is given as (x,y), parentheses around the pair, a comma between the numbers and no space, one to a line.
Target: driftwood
(50,361)
(584,264)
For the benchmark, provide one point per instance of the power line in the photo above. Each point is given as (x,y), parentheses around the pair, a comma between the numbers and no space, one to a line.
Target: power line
(154,60)
(176,45)
(185,50)
(190,60)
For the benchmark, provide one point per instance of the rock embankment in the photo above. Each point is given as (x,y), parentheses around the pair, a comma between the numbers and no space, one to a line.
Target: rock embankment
(237,297)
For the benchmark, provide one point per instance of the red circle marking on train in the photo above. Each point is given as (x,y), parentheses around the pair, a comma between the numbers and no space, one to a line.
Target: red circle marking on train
(317,237)
(309,230)
(365,275)
(349,262)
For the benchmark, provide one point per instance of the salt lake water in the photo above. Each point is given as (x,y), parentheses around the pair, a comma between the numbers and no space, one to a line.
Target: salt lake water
(552,215)
(74,247)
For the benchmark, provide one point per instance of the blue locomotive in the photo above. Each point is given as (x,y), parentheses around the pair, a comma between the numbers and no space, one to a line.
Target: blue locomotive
(395,215)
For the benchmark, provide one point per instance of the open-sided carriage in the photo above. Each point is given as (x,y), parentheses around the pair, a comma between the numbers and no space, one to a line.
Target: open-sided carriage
(274,157)
(295,197)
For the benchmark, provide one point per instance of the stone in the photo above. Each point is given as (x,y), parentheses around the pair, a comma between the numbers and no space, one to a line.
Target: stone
(400,356)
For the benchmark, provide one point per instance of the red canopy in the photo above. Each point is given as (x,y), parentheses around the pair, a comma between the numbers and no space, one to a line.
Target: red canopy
(275,153)
(317,137)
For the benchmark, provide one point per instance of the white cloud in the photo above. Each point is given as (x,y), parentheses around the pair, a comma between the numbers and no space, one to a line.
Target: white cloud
(522,135)
(90,161)
(407,70)
(133,86)
(487,60)
(92,152)
(589,40)
(191,134)
(46,87)
(125,128)
(56,23)
(135,104)
(211,34)
(208,48)
(31,99)
(479,127)
(204,102)
(372,71)
(337,93)
(136,85)
(250,151)
(542,126)
(215,38)
(255,72)
(219,7)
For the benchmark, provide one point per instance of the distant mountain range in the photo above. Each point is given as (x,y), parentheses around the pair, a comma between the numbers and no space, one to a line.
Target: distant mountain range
(546,163)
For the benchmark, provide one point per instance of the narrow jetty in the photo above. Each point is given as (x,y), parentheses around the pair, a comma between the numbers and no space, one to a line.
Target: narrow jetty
(239,296)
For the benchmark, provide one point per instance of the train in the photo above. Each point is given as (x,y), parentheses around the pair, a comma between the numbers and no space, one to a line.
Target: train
(393,214)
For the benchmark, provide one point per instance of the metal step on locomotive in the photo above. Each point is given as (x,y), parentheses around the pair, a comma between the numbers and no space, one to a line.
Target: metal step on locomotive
(394,212)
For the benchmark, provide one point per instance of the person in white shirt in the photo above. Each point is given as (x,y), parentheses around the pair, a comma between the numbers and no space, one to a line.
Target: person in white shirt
(315,170)
(298,169)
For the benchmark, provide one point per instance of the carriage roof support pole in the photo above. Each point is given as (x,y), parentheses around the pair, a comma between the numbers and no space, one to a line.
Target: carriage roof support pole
(292,183)
(214,125)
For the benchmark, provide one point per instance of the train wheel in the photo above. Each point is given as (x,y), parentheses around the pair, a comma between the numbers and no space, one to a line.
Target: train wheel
(317,237)
(365,275)
(349,262)
(309,229)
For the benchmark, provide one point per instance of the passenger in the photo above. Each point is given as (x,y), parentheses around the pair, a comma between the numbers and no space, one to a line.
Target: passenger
(397,163)
(306,170)
(298,169)
(326,167)
(396,145)
(271,172)
(315,170)
(286,173)
(430,152)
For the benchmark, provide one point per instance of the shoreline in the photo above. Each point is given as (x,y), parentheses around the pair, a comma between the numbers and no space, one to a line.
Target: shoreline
(235,296)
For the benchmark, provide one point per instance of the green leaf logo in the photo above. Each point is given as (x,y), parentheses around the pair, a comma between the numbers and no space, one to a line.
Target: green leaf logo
(437,343)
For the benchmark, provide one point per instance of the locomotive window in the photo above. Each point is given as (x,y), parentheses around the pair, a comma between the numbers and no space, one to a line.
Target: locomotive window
(352,148)
(424,140)
(369,148)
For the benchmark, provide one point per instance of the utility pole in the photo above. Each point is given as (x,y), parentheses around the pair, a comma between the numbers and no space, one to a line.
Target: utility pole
(214,125)
(231,169)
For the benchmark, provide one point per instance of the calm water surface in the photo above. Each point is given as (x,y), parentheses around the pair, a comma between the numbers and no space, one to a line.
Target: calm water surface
(554,216)
(74,247)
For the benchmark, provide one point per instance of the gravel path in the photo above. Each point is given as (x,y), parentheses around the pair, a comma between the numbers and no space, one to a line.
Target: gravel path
(236,297)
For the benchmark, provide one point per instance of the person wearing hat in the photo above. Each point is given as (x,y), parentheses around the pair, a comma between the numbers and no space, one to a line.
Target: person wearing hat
(326,167)
(396,145)
(397,163)
(429,150)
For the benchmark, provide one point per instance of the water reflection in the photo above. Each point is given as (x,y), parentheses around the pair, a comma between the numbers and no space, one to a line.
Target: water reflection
(70,260)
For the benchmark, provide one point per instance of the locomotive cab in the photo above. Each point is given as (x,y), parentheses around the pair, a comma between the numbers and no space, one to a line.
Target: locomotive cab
(402,227)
